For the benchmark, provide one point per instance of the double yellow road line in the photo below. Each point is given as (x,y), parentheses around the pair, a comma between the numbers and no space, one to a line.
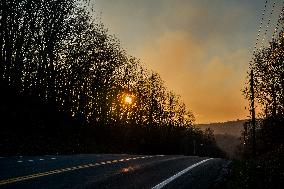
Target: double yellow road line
(58,171)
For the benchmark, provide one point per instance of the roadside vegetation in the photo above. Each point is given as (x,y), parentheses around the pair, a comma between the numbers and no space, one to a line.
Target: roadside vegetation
(68,86)
(265,169)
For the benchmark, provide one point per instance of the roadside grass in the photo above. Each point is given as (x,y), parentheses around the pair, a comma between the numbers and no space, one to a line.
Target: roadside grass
(264,172)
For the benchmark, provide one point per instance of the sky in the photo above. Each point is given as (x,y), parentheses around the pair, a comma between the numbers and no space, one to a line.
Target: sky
(201,48)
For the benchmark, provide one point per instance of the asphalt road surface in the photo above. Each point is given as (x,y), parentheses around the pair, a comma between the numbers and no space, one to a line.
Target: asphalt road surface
(110,171)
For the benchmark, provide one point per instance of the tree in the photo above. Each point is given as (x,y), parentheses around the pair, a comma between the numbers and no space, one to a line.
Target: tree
(268,69)
(57,54)
(268,86)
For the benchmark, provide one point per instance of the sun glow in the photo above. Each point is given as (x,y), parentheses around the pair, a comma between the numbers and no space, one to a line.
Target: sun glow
(128,99)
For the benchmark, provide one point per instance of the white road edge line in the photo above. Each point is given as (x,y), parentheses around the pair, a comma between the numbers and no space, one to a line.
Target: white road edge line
(167,181)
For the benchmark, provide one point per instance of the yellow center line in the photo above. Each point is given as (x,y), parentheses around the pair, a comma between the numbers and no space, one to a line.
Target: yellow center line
(57,171)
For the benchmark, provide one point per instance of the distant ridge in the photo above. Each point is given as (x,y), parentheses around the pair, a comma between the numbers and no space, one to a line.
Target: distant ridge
(230,127)
(227,135)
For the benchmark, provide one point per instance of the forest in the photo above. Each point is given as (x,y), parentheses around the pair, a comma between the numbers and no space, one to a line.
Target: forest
(263,135)
(68,86)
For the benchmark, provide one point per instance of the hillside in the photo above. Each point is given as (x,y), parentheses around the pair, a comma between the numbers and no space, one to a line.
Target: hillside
(227,135)
(230,127)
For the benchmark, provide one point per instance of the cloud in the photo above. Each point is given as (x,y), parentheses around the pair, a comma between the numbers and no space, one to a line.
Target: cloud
(210,86)
(200,48)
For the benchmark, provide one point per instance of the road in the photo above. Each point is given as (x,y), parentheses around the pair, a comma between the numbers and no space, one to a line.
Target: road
(110,171)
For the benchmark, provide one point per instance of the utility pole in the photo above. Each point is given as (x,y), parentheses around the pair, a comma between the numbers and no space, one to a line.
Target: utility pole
(194,146)
(246,124)
(252,114)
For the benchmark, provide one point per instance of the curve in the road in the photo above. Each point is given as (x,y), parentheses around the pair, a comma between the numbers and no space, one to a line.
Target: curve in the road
(167,181)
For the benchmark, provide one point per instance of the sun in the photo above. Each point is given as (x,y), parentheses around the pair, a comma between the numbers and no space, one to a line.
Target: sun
(128,99)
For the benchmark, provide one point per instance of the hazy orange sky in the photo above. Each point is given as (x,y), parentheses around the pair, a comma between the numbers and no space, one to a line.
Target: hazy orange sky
(201,48)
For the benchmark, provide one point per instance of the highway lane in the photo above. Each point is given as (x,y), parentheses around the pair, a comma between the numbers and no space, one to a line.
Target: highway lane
(109,171)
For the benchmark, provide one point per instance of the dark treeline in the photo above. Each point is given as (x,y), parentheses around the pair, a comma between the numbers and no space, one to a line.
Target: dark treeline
(67,86)
(265,168)
(268,84)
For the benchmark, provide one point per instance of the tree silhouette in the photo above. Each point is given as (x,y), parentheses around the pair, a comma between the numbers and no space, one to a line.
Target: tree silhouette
(268,72)
(268,78)
(61,59)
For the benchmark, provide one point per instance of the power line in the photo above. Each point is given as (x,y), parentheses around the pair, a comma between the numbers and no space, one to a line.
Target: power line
(261,22)
(252,97)
(268,23)
(278,22)
(251,82)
